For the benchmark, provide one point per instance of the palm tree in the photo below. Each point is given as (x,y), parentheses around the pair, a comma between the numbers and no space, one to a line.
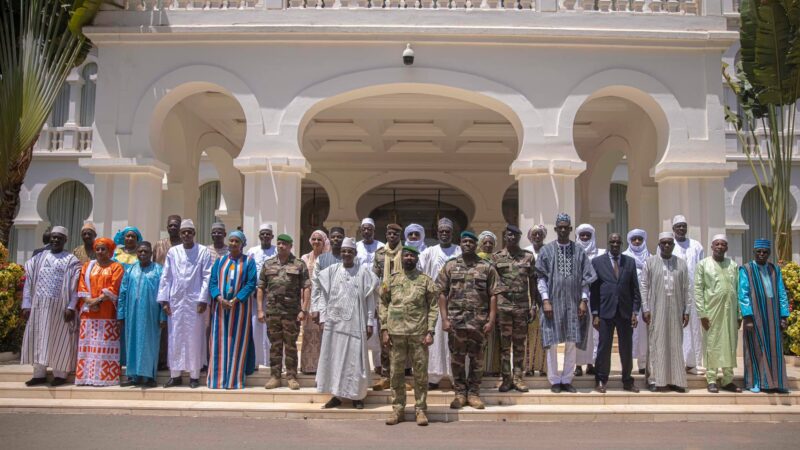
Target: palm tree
(767,86)
(40,42)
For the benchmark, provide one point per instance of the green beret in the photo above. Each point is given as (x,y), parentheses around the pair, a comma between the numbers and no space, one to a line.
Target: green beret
(408,248)
(469,234)
(285,238)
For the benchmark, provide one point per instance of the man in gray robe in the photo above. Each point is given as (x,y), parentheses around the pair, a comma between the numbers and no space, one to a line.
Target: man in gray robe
(665,302)
(565,274)
(345,300)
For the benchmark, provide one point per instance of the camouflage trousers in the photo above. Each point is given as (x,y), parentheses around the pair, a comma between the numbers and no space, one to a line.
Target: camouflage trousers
(463,343)
(283,331)
(403,347)
(513,325)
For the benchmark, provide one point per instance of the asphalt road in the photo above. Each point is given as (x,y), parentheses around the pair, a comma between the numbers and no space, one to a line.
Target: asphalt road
(49,431)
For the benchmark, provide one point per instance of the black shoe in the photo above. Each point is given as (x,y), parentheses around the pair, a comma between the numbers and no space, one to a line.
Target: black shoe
(432,386)
(505,386)
(333,403)
(150,383)
(569,388)
(36,381)
(358,404)
(642,371)
(58,381)
(712,387)
(194,383)
(730,387)
(652,387)
(172,382)
(779,390)
(409,373)
(590,370)
(630,388)
(555,389)
(128,382)
(163,367)
(204,369)
(600,387)
(678,389)
(578,371)
(542,373)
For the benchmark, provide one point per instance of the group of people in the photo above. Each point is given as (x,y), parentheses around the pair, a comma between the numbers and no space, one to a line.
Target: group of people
(453,310)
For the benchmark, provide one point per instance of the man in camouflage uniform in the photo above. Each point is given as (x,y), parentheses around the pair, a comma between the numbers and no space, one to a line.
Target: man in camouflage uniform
(387,257)
(468,287)
(408,313)
(285,283)
(515,267)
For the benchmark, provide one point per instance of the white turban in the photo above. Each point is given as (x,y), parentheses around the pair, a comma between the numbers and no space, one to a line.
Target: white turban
(590,246)
(187,224)
(719,237)
(678,219)
(349,243)
(420,244)
(60,230)
(639,253)
(265,226)
(368,221)
(666,235)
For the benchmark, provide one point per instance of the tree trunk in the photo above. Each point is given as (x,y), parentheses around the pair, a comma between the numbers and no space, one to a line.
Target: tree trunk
(9,188)
(783,241)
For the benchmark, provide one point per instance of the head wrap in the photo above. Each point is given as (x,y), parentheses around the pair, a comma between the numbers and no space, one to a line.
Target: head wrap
(395,227)
(217,226)
(590,246)
(108,243)
(172,217)
(762,243)
(513,228)
(349,243)
(368,221)
(119,238)
(666,235)
(719,237)
(408,248)
(678,219)
(444,222)
(285,238)
(326,243)
(486,235)
(539,227)
(60,230)
(420,244)
(563,217)
(469,234)
(88,225)
(265,226)
(187,224)
(239,235)
(639,253)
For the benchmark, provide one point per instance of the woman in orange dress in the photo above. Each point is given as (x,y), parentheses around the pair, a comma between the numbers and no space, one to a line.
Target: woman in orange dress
(98,344)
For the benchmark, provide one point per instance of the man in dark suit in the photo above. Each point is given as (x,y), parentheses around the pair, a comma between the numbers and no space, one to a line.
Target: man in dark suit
(615,303)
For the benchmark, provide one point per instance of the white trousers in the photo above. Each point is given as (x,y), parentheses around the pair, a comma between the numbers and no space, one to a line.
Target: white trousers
(590,354)
(261,342)
(40,371)
(640,343)
(693,339)
(194,374)
(568,372)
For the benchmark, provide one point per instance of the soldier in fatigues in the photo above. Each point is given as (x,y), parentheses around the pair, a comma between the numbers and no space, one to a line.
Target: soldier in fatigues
(408,314)
(468,289)
(515,267)
(285,282)
(387,261)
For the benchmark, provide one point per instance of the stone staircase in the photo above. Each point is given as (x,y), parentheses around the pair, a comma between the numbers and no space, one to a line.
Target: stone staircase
(539,405)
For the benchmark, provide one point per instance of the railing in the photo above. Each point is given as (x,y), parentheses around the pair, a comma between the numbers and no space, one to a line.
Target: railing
(64,139)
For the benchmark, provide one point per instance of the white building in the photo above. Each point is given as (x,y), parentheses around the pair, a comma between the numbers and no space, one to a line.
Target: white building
(306,115)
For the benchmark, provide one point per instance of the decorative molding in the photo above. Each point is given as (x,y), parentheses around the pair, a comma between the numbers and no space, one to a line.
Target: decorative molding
(696,169)
(125,166)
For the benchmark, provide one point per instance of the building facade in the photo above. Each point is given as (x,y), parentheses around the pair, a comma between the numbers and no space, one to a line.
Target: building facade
(304,115)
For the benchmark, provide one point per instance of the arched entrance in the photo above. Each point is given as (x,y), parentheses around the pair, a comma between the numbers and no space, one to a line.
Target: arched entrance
(69,205)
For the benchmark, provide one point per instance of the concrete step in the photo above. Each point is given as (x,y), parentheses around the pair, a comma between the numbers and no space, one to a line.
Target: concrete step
(309,396)
(517,413)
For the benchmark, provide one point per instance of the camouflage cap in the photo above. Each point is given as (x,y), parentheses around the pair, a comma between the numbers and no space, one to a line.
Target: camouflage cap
(410,249)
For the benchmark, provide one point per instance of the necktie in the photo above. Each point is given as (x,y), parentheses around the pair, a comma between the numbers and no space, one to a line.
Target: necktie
(616,266)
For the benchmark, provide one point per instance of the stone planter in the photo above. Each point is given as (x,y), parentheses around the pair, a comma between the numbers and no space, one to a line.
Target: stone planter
(8,356)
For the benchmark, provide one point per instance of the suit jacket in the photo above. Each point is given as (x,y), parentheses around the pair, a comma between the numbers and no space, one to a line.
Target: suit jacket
(609,294)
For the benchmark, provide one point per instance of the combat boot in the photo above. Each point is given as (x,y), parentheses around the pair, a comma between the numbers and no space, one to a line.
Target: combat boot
(422,419)
(518,384)
(475,402)
(458,402)
(274,382)
(505,386)
(409,387)
(381,385)
(395,418)
(293,384)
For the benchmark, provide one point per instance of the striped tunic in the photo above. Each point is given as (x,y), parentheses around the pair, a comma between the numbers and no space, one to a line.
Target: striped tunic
(665,295)
(50,288)
(231,350)
(762,296)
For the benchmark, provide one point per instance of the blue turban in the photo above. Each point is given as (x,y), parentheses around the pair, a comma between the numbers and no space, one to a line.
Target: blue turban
(563,217)
(239,235)
(762,243)
(119,238)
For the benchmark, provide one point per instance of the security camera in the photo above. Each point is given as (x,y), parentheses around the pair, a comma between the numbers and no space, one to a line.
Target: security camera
(408,55)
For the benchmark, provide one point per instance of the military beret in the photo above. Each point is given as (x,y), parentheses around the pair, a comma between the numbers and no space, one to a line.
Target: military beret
(395,227)
(469,234)
(285,238)
(408,248)
(514,229)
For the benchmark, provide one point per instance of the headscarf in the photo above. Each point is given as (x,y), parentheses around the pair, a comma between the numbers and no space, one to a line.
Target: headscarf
(104,241)
(590,246)
(638,253)
(483,237)
(238,234)
(311,258)
(119,238)
(539,227)
(420,244)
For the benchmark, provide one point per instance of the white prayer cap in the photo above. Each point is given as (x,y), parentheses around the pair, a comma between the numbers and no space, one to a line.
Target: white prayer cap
(678,219)
(187,224)
(666,235)
(719,237)
(368,221)
(349,243)
(444,222)
(265,226)
(60,230)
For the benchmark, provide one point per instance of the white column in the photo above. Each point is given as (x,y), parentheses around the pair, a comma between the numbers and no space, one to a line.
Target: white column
(272,193)
(127,191)
(546,188)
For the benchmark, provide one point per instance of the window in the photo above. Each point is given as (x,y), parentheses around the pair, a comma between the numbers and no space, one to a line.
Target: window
(207,204)
(69,205)
(88,94)
(619,207)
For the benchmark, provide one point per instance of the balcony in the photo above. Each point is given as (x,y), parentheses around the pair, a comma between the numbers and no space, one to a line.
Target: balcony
(66,141)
